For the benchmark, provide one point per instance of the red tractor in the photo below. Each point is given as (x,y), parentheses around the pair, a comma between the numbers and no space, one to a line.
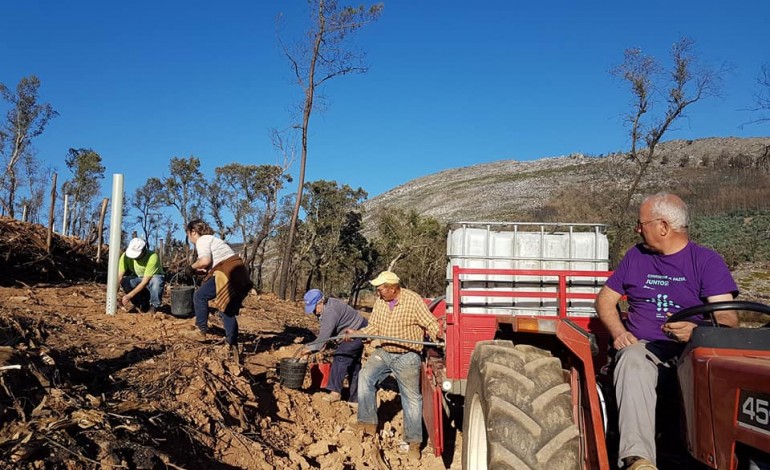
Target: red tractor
(525,350)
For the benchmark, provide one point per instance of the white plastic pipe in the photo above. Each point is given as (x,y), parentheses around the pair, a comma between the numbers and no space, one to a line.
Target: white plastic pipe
(116,224)
(64,219)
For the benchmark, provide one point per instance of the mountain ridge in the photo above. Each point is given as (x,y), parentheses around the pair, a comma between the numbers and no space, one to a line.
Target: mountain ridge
(496,190)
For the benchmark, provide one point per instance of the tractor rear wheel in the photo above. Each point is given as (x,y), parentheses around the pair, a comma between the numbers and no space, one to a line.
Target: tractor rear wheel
(518,411)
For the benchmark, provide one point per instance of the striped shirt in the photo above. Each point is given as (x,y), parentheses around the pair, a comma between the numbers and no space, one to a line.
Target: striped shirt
(409,319)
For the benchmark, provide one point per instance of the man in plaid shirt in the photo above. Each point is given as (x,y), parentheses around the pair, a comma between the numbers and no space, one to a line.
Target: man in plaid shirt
(397,313)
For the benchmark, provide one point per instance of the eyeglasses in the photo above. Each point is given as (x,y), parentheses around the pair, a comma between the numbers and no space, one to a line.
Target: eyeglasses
(640,224)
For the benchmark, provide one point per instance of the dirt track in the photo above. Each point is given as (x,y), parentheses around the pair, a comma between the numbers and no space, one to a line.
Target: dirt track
(130,391)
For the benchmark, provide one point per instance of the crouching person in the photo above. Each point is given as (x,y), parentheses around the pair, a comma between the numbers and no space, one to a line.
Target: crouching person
(140,275)
(336,316)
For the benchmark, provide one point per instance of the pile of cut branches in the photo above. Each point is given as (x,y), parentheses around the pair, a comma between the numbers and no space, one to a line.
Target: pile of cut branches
(152,407)
(27,260)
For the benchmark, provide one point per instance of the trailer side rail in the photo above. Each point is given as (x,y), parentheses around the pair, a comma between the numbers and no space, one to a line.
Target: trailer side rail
(465,329)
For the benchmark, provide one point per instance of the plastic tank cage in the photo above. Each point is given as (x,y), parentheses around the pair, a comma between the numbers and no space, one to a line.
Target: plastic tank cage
(530,246)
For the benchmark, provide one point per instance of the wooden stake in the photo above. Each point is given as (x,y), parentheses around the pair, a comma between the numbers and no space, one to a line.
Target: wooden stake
(101,229)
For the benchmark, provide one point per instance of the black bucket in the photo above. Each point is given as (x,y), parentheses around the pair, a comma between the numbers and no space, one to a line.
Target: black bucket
(182,301)
(291,372)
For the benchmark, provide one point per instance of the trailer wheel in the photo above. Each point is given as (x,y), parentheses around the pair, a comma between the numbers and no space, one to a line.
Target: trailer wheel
(518,411)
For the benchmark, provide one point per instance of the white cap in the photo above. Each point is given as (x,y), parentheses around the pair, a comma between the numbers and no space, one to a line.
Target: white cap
(135,248)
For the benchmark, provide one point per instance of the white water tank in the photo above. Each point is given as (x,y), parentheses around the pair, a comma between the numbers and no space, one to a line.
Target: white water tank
(539,246)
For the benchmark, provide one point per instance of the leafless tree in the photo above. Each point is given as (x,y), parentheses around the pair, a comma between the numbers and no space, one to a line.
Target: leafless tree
(660,97)
(323,56)
(36,178)
(25,120)
(762,97)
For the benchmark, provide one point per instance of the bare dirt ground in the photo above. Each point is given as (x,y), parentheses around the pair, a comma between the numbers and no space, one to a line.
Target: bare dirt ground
(130,391)
(83,389)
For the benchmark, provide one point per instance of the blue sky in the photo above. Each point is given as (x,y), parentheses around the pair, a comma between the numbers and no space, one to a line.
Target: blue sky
(451,83)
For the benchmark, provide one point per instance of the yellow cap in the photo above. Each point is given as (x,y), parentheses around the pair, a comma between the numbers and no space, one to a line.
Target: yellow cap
(385,277)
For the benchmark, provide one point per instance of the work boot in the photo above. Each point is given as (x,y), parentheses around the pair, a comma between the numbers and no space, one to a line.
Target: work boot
(234,353)
(638,463)
(411,449)
(195,335)
(367,428)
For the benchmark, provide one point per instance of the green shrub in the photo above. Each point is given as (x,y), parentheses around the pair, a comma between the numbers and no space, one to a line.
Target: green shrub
(738,237)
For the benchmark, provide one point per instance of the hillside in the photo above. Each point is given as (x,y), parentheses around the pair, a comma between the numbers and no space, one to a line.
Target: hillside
(495,191)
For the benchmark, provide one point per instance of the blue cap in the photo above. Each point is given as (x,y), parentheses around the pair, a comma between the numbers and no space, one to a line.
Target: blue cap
(312,297)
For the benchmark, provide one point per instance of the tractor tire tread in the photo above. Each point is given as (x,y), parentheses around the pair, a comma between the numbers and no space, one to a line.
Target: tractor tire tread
(527,408)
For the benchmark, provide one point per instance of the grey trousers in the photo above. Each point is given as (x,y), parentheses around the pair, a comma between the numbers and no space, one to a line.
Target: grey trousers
(637,370)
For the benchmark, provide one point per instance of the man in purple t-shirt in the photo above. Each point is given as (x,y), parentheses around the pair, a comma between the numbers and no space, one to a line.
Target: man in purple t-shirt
(661,276)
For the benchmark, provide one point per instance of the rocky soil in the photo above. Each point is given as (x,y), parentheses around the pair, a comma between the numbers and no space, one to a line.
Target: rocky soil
(83,389)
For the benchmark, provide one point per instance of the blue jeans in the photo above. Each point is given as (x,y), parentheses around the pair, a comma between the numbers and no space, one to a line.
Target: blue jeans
(347,362)
(406,369)
(153,290)
(207,291)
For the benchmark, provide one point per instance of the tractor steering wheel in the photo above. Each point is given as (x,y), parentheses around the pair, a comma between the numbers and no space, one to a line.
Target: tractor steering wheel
(711,308)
